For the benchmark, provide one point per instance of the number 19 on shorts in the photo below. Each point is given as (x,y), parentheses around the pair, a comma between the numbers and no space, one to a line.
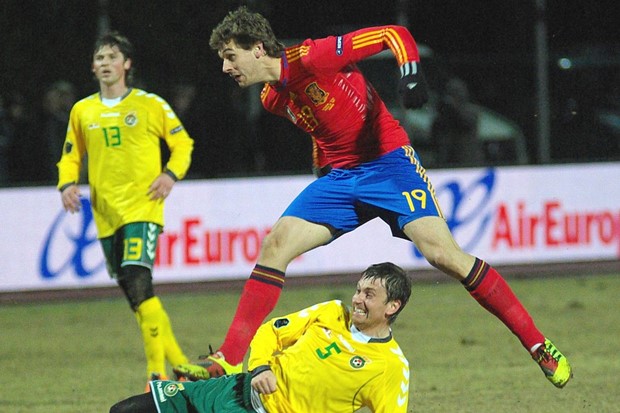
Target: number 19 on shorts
(417,196)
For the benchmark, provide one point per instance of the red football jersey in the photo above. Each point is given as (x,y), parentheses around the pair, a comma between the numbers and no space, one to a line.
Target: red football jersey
(322,91)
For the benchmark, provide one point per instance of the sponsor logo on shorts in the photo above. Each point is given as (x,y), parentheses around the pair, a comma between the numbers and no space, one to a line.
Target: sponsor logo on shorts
(160,392)
(151,240)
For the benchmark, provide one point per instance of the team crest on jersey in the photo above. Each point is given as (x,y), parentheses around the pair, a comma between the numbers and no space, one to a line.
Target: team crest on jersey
(131,119)
(357,362)
(317,95)
(172,388)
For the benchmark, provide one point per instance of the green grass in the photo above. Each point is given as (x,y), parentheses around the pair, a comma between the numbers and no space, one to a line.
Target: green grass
(83,356)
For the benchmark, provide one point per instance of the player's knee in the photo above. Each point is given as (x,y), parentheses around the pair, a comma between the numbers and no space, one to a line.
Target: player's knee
(271,246)
(137,284)
(453,262)
(437,258)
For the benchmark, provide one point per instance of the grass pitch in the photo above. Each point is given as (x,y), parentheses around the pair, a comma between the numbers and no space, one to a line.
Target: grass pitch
(83,356)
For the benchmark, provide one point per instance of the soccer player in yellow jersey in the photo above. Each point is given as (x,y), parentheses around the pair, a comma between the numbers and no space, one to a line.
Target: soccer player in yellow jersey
(328,358)
(120,128)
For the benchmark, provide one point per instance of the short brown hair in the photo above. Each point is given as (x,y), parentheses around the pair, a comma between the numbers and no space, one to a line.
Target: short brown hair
(395,280)
(246,29)
(112,39)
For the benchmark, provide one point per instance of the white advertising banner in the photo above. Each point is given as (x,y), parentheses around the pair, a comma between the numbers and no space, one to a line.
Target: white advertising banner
(214,228)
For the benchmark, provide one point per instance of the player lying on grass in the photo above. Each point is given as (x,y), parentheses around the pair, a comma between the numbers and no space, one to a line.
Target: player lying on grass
(325,358)
(375,173)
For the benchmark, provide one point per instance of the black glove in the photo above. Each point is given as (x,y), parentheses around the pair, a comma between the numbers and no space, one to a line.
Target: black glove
(412,86)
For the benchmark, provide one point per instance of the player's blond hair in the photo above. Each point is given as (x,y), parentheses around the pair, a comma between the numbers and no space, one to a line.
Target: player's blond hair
(246,29)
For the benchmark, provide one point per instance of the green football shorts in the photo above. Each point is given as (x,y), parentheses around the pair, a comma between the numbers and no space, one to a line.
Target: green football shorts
(132,244)
(225,394)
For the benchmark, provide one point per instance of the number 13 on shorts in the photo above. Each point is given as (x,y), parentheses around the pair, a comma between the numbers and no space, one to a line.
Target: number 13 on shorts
(132,249)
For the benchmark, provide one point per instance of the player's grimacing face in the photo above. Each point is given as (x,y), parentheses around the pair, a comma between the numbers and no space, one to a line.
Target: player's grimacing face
(370,307)
(240,64)
(109,65)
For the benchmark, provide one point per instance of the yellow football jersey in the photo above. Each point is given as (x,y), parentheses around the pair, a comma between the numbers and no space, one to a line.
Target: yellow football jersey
(335,368)
(124,155)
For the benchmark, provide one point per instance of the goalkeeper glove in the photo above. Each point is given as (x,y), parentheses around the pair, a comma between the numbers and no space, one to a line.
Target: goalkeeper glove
(412,85)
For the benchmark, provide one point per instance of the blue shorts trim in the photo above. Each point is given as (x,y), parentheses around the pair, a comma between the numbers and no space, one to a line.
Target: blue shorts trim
(393,187)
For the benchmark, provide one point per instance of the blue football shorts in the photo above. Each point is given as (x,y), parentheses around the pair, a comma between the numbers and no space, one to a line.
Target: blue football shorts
(393,187)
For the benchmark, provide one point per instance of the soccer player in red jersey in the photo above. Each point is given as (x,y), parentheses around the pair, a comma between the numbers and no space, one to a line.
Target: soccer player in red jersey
(374,173)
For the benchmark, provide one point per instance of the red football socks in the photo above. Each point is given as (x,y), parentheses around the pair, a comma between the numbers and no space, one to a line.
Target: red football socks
(492,292)
(259,297)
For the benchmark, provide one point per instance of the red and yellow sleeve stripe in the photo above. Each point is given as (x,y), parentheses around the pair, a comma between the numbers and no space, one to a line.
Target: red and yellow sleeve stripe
(296,53)
(399,41)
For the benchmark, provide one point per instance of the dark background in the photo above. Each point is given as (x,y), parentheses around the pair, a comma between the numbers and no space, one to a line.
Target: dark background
(488,44)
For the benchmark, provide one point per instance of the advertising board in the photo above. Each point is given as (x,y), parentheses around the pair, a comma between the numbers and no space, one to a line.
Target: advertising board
(510,215)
